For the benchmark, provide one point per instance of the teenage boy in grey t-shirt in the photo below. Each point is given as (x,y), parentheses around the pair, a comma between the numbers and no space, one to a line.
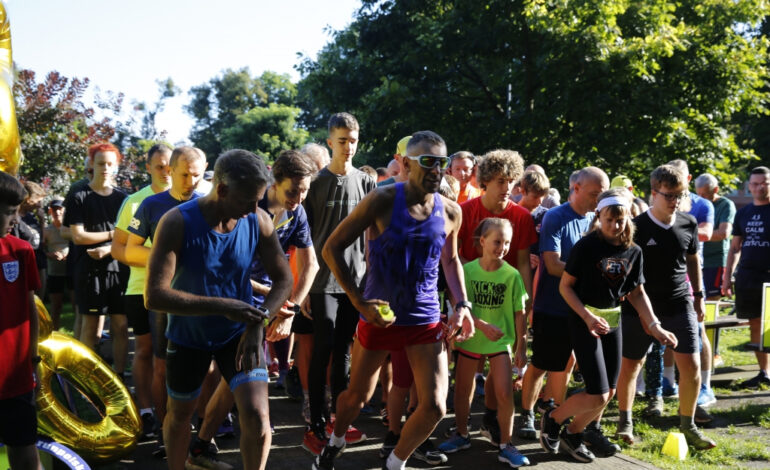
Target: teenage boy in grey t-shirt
(334,193)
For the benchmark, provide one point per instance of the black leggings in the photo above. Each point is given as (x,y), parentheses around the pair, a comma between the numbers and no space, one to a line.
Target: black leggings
(598,358)
(334,323)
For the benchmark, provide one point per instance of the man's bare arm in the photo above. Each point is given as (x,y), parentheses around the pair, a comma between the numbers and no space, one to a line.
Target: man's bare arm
(307,267)
(453,271)
(136,253)
(82,237)
(722,233)
(705,230)
(553,263)
(160,296)
(119,249)
(733,256)
(274,260)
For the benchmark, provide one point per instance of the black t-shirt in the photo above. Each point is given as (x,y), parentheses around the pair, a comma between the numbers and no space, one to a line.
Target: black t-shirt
(665,253)
(753,224)
(604,272)
(96,213)
(76,251)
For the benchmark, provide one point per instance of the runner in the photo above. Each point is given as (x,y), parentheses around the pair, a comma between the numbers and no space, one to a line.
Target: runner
(669,242)
(335,192)
(133,300)
(411,229)
(463,167)
(198,272)
(498,297)
(750,252)
(603,267)
(561,228)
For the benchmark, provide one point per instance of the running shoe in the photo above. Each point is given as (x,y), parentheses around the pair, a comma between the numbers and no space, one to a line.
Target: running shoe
(755,382)
(149,427)
(384,415)
(702,416)
(697,440)
(511,455)
(325,461)
(315,439)
(490,429)
(600,445)
(388,444)
(272,369)
(455,443)
(428,453)
(352,435)
(205,458)
(706,396)
(654,408)
(541,406)
(527,428)
(306,410)
(452,429)
(670,390)
(293,385)
(577,377)
(226,429)
(549,433)
(572,445)
(625,432)
(718,361)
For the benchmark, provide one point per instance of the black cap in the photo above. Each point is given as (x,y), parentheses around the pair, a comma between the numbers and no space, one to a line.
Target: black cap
(56,203)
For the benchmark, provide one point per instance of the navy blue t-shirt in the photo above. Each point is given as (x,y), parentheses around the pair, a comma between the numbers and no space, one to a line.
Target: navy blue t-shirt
(752,223)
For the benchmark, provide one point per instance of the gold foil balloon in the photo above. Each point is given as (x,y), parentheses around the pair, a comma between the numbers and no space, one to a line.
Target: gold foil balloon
(117,433)
(45,323)
(10,149)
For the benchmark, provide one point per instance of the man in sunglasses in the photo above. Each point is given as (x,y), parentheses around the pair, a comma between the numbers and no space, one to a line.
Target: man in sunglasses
(411,229)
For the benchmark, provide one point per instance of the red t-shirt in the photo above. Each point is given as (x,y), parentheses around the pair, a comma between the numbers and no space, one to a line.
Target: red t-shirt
(18,277)
(474,212)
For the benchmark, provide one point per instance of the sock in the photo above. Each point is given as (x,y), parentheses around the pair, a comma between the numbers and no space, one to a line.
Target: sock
(593,426)
(394,463)
(502,446)
(686,422)
(145,411)
(305,395)
(490,414)
(705,378)
(336,441)
(624,416)
(668,374)
(527,413)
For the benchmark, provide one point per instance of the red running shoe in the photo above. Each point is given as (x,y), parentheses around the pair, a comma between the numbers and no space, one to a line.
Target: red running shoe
(314,442)
(352,436)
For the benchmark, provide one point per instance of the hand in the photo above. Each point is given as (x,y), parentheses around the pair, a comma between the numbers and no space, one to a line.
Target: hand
(490,331)
(700,308)
(520,359)
(306,312)
(278,329)
(99,252)
(664,337)
(518,384)
(727,288)
(597,325)
(241,312)
(59,255)
(369,308)
(286,312)
(534,261)
(461,324)
(249,349)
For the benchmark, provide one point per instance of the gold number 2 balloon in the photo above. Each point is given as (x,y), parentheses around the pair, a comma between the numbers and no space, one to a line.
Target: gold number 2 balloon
(10,149)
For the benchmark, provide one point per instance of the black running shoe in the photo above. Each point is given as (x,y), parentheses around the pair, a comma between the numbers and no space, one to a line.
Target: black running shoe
(325,461)
(388,444)
(600,445)
(549,433)
(572,444)
(428,453)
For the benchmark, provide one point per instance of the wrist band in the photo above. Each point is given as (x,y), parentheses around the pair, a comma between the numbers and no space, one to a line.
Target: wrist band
(653,323)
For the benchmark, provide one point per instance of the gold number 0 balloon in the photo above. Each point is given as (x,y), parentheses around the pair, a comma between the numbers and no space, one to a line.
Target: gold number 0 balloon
(10,149)
(117,433)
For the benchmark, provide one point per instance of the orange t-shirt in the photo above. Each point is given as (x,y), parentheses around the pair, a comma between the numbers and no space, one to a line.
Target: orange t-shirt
(470,192)
(524,234)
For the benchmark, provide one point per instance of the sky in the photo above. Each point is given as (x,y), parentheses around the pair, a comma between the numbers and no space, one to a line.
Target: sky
(125,46)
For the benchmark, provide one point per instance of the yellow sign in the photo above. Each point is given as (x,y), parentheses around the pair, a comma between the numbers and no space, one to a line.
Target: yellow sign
(765,323)
(712,312)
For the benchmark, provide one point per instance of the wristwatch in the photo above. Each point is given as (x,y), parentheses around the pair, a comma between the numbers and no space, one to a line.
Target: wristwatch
(297,309)
(698,294)
(463,303)
(266,313)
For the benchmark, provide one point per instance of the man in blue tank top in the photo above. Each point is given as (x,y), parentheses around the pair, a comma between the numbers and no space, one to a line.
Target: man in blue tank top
(198,272)
(410,230)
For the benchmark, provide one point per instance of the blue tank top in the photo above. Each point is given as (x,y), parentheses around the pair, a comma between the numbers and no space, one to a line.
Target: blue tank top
(404,263)
(215,265)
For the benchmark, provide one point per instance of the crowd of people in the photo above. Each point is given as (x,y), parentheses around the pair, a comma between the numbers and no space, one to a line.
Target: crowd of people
(392,276)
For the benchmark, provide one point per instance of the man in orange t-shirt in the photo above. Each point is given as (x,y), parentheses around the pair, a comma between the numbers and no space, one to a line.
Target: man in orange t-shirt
(462,166)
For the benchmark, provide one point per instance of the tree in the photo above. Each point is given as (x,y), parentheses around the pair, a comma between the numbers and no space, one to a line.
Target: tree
(56,126)
(227,106)
(614,83)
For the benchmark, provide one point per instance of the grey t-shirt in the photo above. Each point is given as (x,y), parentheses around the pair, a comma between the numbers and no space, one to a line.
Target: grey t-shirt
(330,199)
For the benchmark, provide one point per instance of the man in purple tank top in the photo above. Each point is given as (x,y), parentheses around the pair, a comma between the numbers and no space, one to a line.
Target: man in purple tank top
(410,230)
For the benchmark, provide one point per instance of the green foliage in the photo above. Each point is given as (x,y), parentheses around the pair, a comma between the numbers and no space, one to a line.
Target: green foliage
(619,84)
(266,130)
(229,108)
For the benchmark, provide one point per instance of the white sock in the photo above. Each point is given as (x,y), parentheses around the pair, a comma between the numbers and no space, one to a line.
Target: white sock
(705,378)
(145,411)
(668,373)
(394,463)
(336,441)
